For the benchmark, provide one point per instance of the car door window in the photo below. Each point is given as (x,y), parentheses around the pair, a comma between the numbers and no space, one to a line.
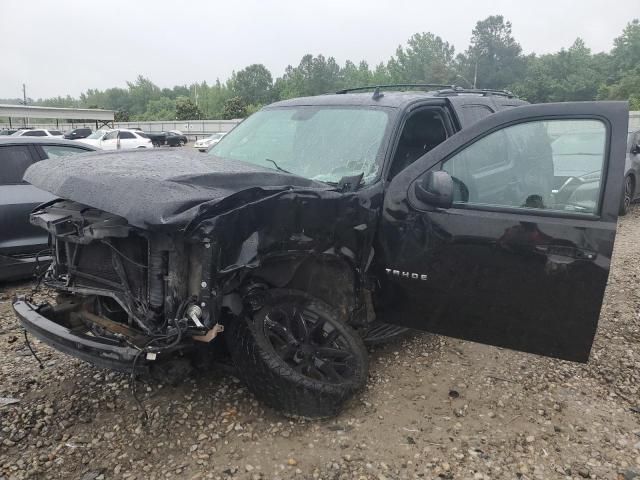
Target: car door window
(53,151)
(14,161)
(546,164)
(110,136)
(126,136)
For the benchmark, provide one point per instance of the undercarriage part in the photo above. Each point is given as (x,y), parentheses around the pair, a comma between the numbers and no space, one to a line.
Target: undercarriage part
(156,277)
(379,333)
(296,355)
(210,335)
(194,313)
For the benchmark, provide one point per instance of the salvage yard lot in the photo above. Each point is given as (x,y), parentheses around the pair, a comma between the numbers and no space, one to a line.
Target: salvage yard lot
(433,408)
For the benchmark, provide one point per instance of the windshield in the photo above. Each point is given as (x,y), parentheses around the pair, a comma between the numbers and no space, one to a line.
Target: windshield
(97,134)
(318,142)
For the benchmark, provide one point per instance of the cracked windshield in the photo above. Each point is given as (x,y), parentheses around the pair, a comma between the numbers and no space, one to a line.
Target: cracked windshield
(320,143)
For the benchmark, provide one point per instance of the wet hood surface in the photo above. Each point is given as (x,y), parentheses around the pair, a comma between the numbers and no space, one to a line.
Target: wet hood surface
(158,189)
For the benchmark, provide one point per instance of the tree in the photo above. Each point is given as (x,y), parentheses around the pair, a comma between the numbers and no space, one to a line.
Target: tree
(569,75)
(426,59)
(163,108)
(254,84)
(141,92)
(493,60)
(121,116)
(626,49)
(312,76)
(186,109)
(234,108)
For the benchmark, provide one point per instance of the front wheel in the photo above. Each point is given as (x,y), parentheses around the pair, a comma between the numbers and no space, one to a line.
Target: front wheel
(296,356)
(627,196)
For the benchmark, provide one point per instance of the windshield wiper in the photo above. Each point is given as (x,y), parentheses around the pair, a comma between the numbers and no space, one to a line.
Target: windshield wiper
(277,166)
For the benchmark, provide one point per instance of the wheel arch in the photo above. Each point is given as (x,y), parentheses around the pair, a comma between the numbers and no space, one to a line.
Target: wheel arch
(328,277)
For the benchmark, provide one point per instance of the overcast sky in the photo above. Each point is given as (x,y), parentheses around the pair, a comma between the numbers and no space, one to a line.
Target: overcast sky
(65,47)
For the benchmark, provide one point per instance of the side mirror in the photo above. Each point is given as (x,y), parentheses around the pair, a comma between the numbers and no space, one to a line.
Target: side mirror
(435,188)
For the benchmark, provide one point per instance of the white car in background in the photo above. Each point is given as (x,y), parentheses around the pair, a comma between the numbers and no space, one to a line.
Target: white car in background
(118,139)
(37,132)
(205,143)
(94,139)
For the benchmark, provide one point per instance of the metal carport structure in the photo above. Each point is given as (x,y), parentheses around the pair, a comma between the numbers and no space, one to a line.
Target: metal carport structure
(101,117)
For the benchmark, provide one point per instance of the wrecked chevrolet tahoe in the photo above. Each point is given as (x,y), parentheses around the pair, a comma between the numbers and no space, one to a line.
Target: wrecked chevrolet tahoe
(322,223)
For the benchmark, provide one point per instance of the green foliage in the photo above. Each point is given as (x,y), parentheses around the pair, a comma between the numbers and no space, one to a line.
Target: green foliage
(234,107)
(494,59)
(186,109)
(313,76)
(254,84)
(569,75)
(426,59)
(122,116)
(626,50)
(163,107)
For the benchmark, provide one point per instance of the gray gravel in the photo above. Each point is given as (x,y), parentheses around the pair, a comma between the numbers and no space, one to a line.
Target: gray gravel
(433,408)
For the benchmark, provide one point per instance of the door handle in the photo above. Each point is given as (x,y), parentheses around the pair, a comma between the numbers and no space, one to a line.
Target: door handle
(567,251)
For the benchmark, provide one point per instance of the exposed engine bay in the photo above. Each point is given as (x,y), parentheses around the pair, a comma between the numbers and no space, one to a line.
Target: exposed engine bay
(141,287)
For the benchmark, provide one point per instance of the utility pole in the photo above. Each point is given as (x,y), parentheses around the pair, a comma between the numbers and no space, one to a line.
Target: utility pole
(475,74)
(24,101)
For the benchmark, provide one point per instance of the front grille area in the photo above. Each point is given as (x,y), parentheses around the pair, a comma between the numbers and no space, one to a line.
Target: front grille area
(94,265)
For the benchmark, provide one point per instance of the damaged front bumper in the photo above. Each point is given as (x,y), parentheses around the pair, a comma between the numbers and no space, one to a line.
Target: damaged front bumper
(102,352)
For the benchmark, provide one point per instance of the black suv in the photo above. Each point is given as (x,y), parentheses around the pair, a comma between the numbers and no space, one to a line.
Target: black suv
(318,218)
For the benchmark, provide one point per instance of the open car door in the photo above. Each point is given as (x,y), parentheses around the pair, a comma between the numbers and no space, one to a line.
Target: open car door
(503,234)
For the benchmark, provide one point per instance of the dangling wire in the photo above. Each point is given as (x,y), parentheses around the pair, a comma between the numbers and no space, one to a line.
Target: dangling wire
(26,340)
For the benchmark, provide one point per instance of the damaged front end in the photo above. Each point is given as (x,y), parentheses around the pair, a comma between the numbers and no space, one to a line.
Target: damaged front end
(124,294)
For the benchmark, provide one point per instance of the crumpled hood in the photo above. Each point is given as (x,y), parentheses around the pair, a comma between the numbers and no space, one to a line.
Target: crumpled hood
(156,189)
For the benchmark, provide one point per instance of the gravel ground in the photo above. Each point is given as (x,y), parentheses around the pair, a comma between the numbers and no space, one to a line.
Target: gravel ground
(433,408)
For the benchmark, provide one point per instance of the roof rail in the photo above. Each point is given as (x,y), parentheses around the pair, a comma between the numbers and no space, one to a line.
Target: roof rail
(397,86)
(478,91)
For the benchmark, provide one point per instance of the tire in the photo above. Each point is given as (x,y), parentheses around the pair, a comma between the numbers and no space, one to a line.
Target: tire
(627,195)
(181,143)
(300,375)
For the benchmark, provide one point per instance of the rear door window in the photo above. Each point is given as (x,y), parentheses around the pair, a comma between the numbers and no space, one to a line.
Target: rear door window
(126,135)
(34,133)
(14,161)
(53,151)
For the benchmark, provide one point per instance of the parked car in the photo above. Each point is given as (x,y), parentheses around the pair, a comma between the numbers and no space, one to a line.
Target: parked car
(37,132)
(316,219)
(120,138)
(21,242)
(632,172)
(78,133)
(95,138)
(172,138)
(205,144)
(569,160)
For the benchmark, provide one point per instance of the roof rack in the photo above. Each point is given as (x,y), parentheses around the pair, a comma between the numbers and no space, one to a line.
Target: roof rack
(443,90)
(396,86)
(478,91)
